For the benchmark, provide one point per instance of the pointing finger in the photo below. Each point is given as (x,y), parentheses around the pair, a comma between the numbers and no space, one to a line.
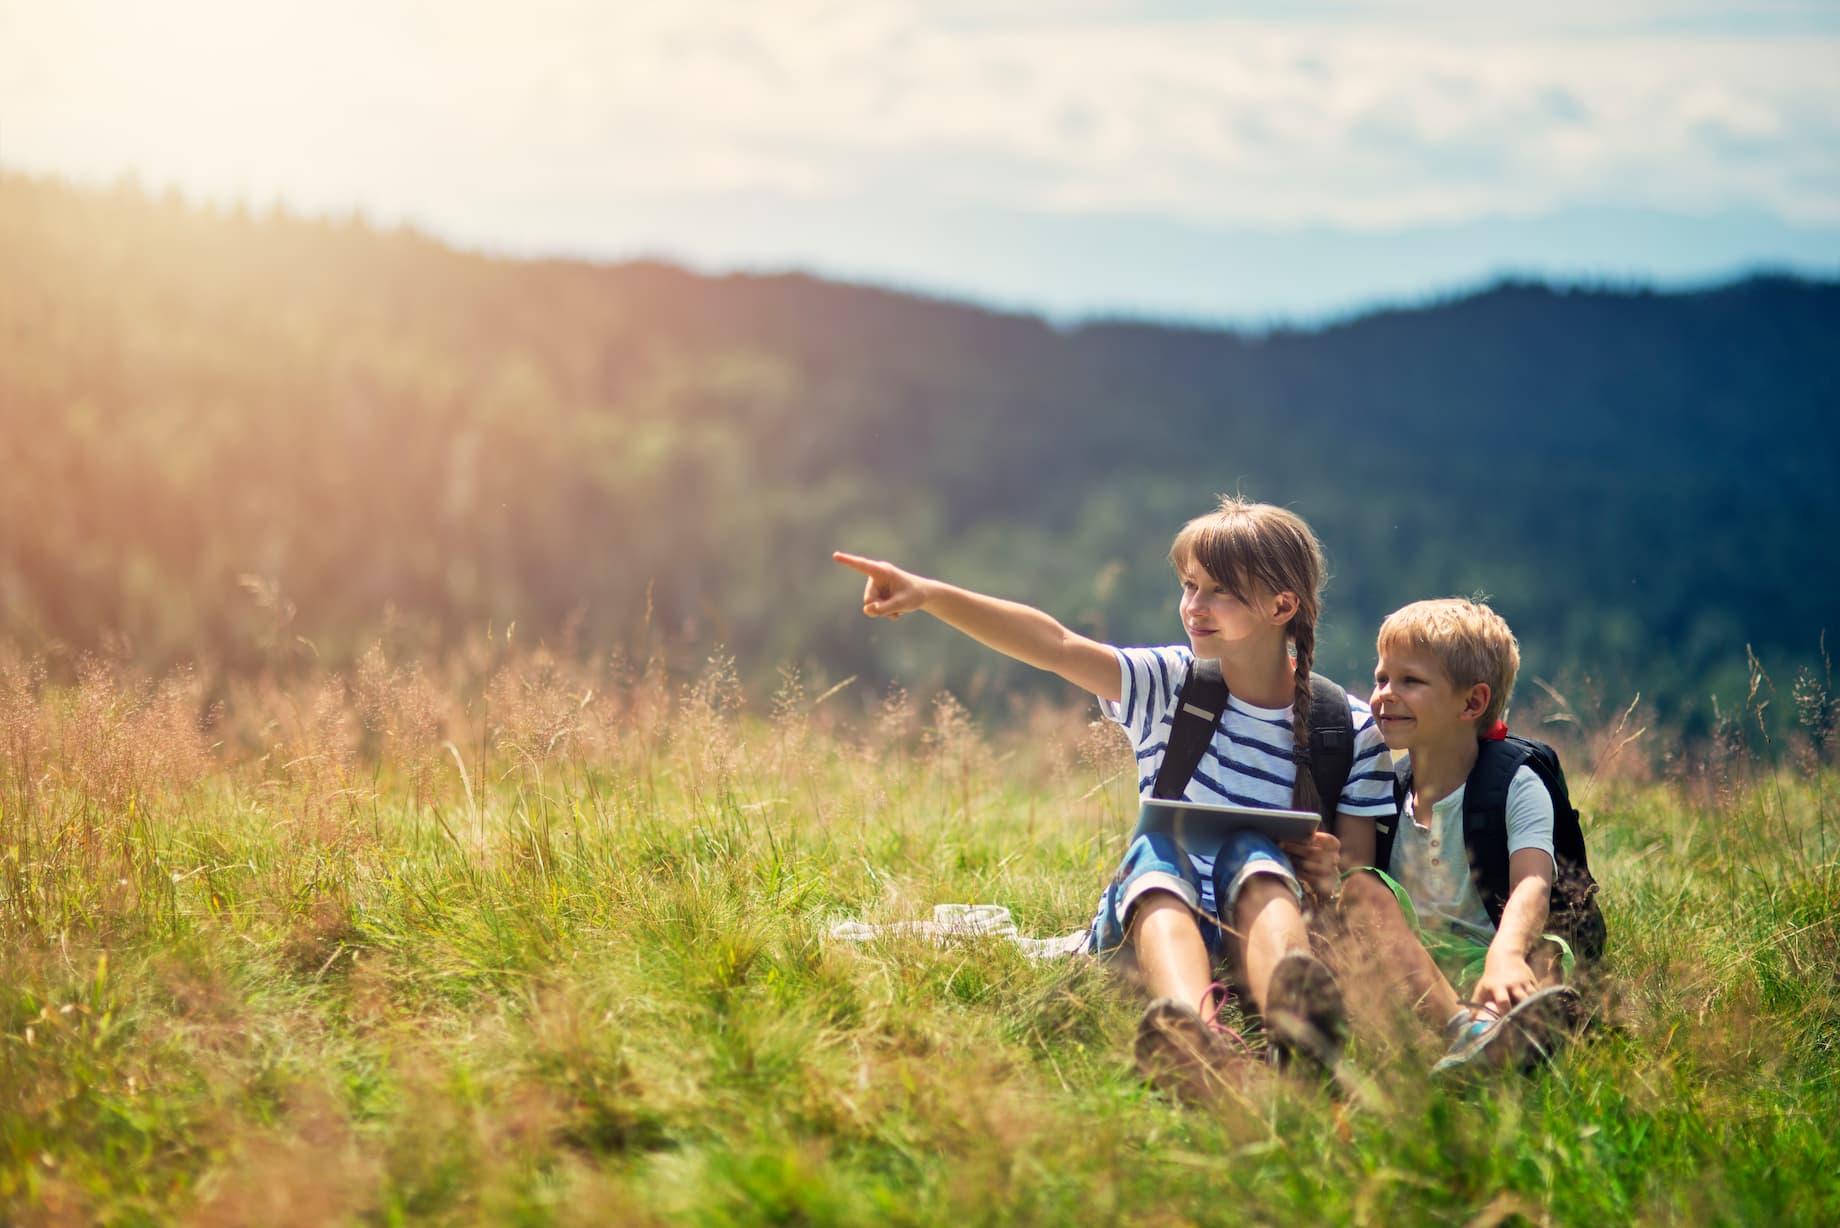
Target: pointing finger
(873,568)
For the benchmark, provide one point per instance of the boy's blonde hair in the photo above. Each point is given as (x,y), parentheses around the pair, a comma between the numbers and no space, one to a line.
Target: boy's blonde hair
(1241,544)
(1471,641)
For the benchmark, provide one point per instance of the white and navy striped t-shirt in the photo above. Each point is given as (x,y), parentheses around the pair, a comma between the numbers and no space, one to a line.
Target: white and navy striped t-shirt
(1249,762)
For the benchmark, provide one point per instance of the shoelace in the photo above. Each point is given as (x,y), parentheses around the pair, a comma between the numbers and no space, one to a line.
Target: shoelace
(1210,1016)
(1468,1018)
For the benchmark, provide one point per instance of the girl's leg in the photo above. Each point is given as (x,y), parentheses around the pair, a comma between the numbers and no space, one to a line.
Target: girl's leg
(1149,912)
(1179,1047)
(1305,1020)
(1171,956)
(1270,926)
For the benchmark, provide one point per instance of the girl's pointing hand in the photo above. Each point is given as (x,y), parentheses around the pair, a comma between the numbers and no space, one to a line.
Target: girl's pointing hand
(889,592)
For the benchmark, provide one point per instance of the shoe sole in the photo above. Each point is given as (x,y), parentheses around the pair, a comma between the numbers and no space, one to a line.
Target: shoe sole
(1305,1016)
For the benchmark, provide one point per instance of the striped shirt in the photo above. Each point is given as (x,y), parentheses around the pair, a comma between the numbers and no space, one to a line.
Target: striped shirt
(1249,762)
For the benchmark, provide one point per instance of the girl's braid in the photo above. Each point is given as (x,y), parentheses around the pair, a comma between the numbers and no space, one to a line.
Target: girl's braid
(1303,790)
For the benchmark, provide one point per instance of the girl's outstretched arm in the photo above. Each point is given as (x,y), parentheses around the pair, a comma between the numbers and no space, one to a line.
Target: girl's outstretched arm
(1014,629)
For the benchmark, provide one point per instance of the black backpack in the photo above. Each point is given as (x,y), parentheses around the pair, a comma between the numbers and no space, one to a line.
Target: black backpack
(1573,913)
(1202,702)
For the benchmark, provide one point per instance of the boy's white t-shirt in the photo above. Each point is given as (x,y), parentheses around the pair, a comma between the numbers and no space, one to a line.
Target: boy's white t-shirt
(1430,862)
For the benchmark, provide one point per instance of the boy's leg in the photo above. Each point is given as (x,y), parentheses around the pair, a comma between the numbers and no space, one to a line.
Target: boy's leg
(1398,970)
(1548,962)
(1394,967)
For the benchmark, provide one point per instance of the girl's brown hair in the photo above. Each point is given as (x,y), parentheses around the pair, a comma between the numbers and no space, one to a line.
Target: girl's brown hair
(1242,544)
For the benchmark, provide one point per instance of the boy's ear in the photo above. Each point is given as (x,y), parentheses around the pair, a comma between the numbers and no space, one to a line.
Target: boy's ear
(1477,701)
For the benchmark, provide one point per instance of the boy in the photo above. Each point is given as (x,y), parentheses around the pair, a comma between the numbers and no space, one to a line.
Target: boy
(1479,886)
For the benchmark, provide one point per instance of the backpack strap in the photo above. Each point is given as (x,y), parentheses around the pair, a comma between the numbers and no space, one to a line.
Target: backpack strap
(1200,705)
(1386,827)
(1573,913)
(1330,757)
(1485,817)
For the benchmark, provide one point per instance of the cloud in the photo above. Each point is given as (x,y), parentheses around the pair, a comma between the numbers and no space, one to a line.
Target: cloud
(1406,114)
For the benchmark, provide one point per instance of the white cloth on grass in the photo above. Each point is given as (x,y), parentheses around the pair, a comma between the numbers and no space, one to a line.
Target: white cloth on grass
(958,922)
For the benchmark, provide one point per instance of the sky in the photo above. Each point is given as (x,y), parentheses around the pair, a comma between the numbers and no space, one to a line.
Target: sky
(1210,162)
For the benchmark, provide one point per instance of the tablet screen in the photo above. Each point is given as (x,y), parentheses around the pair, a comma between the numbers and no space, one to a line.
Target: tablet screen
(1201,826)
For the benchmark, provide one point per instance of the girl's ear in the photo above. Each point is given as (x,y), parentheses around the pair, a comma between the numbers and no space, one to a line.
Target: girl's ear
(1284,606)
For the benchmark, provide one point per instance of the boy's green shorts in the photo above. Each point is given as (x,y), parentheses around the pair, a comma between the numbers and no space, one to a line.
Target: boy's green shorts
(1458,956)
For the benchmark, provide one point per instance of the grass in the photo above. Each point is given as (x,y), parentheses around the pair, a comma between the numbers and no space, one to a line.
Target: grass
(513,941)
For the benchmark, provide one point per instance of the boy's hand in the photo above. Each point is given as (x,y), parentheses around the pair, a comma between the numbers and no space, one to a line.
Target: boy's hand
(1318,863)
(1506,979)
(890,592)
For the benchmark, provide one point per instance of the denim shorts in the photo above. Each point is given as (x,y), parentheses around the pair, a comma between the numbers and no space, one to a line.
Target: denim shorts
(1157,863)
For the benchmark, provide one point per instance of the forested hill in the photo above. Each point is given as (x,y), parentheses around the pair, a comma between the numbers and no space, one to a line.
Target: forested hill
(226,434)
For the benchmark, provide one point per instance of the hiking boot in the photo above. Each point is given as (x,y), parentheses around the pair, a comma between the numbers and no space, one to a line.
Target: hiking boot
(1191,1058)
(1528,1036)
(1304,1016)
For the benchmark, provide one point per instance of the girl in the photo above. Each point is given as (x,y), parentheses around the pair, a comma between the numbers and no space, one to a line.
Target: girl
(1251,577)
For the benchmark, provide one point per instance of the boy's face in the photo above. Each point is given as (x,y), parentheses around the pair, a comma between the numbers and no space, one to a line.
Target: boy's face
(1215,619)
(1416,705)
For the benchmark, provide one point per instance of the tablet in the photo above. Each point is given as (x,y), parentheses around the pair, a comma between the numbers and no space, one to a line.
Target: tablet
(1201,826)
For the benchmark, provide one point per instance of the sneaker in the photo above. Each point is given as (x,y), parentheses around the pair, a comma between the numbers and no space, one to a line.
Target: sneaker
(1304,1016)
(1527,1036)
(1471,1033)
(1190,1057)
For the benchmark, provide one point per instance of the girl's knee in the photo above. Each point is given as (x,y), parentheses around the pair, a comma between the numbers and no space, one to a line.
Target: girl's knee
(1260,892)
(1155,915)
(1152,868)
(1160,922)
(1158,906)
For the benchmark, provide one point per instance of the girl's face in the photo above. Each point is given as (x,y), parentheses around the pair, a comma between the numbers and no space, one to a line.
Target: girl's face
(1215,619)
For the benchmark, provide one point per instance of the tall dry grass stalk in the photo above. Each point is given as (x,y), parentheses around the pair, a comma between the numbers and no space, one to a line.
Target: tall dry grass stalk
(90,775)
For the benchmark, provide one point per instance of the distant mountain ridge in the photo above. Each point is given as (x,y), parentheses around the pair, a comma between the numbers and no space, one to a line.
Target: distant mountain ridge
(367,421)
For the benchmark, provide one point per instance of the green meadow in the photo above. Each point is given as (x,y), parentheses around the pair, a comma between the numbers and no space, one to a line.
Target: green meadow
(512,939)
